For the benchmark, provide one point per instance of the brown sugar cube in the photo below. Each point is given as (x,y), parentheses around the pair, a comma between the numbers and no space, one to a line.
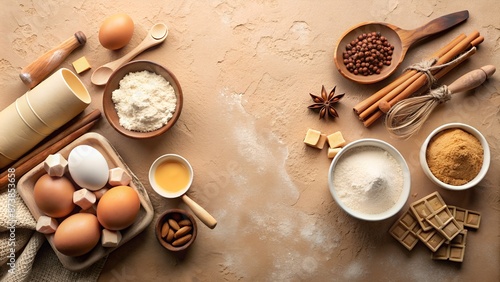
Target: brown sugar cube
(312,137)
(332,152)
(336,140)
(55,165)
(472,219)
(118,176)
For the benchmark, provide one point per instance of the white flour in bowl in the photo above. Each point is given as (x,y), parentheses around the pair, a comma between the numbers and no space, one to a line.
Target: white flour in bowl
(145,101)
(368,179)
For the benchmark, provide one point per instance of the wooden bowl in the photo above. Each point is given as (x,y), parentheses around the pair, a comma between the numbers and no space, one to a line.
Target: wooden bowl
(113,83)
(164,218)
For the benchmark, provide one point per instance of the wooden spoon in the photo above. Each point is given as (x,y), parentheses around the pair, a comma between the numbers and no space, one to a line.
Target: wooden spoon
(156,35)
(401,39)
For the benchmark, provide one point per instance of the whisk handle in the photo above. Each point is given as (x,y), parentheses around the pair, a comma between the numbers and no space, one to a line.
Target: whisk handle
(471,79)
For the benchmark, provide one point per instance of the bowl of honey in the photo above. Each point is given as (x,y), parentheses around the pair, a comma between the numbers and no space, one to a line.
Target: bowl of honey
(171,175)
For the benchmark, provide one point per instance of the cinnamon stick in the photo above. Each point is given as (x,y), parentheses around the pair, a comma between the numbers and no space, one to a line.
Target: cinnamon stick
(386,104)
(58,142)
(393,93)
(379,113)
(375,98)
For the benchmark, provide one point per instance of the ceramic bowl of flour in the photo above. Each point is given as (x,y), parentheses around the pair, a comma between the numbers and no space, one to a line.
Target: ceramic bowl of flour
(369,179)
(459,150)
(142,99)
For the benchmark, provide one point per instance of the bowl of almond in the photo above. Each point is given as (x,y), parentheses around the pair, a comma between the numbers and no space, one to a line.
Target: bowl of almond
(176,230)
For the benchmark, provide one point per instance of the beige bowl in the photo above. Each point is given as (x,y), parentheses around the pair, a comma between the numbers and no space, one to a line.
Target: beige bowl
(113,84)
(486,156)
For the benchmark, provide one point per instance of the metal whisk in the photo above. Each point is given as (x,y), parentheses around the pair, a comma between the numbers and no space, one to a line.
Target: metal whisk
(407,116)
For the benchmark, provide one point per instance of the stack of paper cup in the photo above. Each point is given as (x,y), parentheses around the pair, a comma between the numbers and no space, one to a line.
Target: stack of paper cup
(39,112)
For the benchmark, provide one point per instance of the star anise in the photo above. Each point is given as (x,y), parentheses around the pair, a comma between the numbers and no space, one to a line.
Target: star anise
(325,103)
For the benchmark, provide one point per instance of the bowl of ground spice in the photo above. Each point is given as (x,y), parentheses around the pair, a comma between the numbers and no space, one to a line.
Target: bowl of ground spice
(142,99)
(369,179)
(455,156)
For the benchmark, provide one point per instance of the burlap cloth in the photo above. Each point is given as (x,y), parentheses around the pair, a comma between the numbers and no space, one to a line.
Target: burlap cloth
(34,258)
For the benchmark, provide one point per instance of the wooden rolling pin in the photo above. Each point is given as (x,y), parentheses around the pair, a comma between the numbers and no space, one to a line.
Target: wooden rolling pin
(39,69)
(62,139)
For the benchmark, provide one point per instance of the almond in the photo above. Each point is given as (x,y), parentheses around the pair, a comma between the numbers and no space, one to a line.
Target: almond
(181,241)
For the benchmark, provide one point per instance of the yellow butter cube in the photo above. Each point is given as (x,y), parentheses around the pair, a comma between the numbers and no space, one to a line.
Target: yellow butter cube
(321,142)
(336,140)
(332,152)
(81,65)
(312,137)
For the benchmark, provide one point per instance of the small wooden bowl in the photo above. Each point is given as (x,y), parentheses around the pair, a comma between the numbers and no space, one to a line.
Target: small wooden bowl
(164,218)
(114,82)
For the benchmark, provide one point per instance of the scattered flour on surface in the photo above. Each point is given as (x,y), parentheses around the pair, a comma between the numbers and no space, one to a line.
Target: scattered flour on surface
(145,101)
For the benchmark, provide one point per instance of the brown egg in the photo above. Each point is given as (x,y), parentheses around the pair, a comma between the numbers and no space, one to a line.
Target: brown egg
(77,234)
(118,208)
(116,31)
(54,195)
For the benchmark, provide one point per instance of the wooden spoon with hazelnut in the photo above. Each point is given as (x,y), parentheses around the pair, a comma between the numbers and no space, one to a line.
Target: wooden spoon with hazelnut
(400,38)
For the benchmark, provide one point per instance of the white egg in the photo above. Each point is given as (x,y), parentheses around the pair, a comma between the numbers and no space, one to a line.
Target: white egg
(88,167)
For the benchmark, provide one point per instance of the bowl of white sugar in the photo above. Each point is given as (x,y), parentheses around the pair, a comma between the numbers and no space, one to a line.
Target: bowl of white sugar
(142,99)
(369,179)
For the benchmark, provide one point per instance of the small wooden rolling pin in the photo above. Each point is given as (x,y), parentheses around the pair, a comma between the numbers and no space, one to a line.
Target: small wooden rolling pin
(62,139)
(39,69)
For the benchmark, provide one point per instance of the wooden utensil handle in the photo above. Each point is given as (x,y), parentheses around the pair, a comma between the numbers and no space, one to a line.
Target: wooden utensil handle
(471,79)
(435,26)
(39,69)
(200,212)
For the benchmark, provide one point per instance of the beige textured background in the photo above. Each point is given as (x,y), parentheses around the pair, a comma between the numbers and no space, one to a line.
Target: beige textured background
(246,68)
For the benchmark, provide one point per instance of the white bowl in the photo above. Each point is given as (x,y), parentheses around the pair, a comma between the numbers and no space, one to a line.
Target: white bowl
(169,157)
(486,156)
(406,180)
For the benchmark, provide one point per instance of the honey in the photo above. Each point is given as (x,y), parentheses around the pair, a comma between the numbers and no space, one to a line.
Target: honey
(172,176)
